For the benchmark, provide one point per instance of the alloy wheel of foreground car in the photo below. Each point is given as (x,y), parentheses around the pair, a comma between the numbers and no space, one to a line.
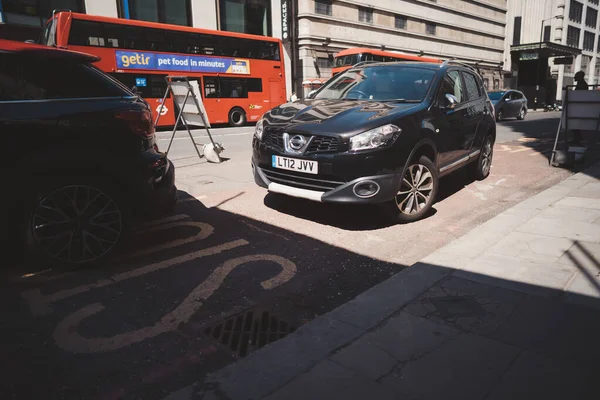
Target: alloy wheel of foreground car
(77,224)
(417,190)
(480,169)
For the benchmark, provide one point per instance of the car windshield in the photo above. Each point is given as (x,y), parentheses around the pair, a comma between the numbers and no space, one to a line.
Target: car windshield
(379,83)
(496,95)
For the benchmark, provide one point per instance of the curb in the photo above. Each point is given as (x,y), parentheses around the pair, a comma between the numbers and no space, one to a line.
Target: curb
(275,365)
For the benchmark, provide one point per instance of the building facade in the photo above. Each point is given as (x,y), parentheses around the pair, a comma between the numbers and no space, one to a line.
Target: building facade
(561,36)
(471,31)
(23,19)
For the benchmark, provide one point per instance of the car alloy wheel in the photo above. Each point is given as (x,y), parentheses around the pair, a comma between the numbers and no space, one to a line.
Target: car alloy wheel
(500,115)
(521,114)
(77,224)
(486,156)
(416,189)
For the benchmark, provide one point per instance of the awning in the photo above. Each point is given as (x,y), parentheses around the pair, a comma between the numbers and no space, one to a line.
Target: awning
(546,49)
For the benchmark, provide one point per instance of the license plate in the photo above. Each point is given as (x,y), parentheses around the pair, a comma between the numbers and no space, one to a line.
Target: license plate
(293,164)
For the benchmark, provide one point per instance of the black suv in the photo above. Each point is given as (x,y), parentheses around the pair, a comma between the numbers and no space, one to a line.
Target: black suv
(378,133)
(80,161)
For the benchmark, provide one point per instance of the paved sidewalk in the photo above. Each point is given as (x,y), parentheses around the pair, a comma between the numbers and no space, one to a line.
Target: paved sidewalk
(508,311)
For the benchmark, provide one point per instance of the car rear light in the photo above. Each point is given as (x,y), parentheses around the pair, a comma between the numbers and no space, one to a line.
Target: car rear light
(139,122)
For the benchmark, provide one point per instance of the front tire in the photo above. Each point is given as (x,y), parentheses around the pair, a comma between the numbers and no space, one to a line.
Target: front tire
(499,115)
(522,114)
(481,168)
(74,224)
(417,191)
(237,117)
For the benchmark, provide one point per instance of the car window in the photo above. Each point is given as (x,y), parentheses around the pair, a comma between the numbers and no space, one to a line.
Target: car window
(34,78)
(509,96)
(379,83)
(471,85)
(452,84)
(495,95)
(517,96)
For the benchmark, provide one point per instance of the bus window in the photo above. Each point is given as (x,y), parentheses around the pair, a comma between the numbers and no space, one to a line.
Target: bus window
(211,87)
(155,40)
(87,33)
(155,84)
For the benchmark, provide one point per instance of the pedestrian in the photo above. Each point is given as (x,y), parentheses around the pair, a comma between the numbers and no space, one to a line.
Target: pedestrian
(581,85)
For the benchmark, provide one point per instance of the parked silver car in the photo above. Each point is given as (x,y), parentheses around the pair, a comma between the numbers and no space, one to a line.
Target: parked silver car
(508,104)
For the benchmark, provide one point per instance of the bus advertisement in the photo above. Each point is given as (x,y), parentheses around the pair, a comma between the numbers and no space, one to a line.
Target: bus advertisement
(349,57)
(241,76)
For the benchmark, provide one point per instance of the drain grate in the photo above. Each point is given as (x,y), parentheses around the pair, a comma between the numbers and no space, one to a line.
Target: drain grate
(251,330)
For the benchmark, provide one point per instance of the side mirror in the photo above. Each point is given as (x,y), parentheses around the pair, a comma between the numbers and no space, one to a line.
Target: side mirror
(311,94)
(506,99)
(450,102)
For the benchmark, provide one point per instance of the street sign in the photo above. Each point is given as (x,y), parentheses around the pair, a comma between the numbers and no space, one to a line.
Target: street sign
(528,56)
(563,61)
(140,82)
(284,21)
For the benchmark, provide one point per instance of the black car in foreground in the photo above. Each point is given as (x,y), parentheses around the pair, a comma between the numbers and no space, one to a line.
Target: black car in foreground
(80,163)
(378,133)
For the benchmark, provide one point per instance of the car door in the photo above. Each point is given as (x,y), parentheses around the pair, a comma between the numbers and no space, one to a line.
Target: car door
(475,108)
(514,104)
(449,123)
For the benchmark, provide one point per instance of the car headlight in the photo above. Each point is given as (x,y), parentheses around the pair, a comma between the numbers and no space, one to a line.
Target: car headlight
(374,138)
(258,130)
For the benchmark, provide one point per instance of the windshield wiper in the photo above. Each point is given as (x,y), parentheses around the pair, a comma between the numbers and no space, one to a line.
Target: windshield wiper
(403,101)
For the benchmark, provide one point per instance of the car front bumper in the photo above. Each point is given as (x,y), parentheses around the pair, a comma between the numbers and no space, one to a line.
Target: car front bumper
(344,193)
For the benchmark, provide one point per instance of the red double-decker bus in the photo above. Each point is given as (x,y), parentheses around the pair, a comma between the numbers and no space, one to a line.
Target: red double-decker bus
(241,76)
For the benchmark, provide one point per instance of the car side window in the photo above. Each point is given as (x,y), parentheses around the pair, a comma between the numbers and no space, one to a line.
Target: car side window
(471,85)
(22,78)
(452,84)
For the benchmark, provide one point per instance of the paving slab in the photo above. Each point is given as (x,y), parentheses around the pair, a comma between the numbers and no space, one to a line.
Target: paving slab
(463,368)
(580,201)
(407,337)
(570,214)
(534,376)
(365,359)
(546,279)
(329,380)
(573,230)
(466,305)
(532,247)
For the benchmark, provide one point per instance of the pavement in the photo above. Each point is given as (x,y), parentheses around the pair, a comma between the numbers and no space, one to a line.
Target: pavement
(507,311)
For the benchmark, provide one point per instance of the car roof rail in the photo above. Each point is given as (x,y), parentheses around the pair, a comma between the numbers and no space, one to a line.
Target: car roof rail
(452,61)
(365,62)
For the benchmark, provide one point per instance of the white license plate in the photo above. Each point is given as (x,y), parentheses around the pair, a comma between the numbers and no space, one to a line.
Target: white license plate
(293,164)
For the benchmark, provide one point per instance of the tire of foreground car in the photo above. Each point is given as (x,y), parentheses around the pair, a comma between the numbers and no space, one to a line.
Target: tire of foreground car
(74,222)
(417,191)
(480,169)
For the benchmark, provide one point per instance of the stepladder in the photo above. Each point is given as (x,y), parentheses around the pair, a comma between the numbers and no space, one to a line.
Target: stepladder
(190,112)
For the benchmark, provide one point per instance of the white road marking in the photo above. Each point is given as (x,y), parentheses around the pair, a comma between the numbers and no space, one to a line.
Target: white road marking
(39,304)
(67,337)
(500,181)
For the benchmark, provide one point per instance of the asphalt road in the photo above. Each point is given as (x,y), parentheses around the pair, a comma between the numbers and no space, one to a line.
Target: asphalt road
(232,268)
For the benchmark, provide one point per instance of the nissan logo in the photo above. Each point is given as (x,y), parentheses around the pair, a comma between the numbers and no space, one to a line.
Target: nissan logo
(297,142)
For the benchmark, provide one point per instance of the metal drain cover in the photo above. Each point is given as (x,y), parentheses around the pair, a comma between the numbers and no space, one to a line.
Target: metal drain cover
(248,331)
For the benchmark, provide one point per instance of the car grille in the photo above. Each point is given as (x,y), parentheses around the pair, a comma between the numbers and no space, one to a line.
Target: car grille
(323,144)
(301,182)
(318,144)
(274,140)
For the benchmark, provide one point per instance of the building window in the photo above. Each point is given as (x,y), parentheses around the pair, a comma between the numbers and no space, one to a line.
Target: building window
(400,22)
(323,62)
(176,12)
(246,16)
(323,7)
(547,30)
(588,41)
(430,28)
(591,16)
(594,2)
(365,14)
(517,31)
(598,48)
(496,84)
(575,11)
(36,12)
(573,36)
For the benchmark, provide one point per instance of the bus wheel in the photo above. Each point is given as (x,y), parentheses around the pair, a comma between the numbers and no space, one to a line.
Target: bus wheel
(237,117)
